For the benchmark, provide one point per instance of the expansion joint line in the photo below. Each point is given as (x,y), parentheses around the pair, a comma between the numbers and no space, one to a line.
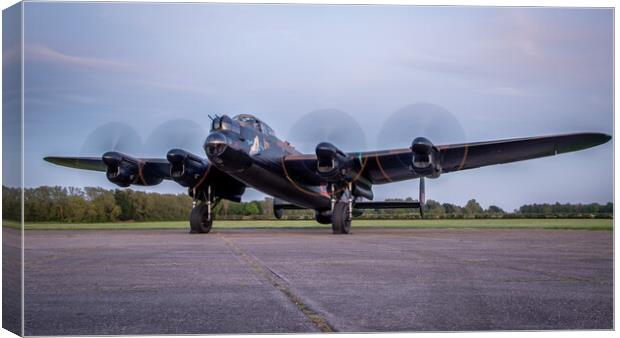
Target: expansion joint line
(277,282)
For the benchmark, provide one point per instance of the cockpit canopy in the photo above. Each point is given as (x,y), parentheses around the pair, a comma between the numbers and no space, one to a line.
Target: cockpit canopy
(252,121)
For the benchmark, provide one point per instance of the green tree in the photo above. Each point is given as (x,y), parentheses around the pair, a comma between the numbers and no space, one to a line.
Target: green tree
(11,203)
(104,204)
(123,200)
(472,208)
(251,209)
(435,209)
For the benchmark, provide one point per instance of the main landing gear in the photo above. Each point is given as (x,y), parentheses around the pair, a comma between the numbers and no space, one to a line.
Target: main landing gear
(342,211)
(201,217)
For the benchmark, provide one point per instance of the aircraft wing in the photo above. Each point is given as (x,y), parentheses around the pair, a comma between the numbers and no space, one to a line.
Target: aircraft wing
(387,166)
(151,171)
(159,167)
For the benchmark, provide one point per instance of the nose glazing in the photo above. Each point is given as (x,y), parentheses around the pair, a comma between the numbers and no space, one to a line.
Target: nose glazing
(215,144)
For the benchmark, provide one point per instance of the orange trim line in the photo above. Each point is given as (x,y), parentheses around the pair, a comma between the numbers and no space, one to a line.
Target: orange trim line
(295,184)
(381,169)
(140,173)
(320,194)
(204,176)
(359,173)
(464,158)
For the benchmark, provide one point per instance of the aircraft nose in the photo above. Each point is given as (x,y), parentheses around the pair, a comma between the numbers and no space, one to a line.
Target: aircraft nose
(225,151)
(215,144)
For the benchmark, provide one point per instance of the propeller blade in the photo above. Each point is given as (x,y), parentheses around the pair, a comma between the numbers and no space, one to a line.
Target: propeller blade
(182,134)
(420,119)
(113,136)
(327,125)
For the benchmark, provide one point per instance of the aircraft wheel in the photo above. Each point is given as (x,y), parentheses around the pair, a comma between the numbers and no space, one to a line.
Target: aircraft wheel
(341,223)
(278,213)
(321,218)
(199,220)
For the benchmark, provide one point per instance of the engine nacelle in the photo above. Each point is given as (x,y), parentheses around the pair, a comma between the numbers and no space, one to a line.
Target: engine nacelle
(186,168)
(124,170)
(333,164)
(362,188)
(425,158)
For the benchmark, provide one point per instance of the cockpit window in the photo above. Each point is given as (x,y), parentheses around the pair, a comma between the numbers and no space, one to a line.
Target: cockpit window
(250,120)
(267,130)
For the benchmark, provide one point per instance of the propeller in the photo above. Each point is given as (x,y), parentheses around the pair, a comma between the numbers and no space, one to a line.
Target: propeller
(420,119)
(182,134)
(120,137)
(330,126)
(327,125)
(112,136)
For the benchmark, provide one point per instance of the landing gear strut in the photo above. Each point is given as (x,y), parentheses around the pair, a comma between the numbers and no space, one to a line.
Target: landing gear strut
(201,217)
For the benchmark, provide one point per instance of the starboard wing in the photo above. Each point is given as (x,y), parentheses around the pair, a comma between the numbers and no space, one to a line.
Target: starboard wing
(386,166)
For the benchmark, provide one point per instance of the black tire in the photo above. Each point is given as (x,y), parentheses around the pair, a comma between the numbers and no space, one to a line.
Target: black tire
(199,220)
(341,223)
(322,218)
(278,213)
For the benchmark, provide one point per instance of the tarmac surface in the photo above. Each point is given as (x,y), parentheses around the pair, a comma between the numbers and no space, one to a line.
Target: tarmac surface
(267,281)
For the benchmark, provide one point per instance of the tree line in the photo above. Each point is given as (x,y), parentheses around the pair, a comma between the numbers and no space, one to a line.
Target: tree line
(94,204)
(473,209)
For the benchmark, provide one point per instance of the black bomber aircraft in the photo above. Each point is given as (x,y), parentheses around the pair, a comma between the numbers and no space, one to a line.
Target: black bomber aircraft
(243,152)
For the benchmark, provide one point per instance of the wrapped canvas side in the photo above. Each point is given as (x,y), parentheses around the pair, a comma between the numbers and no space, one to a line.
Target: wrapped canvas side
(12,180)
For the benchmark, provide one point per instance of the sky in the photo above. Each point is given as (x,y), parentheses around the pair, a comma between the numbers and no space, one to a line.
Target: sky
(133,75)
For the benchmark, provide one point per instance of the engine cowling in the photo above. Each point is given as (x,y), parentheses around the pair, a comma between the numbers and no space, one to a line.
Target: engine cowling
(124,170)
(186,168)
(363,188)
(332,164)
(425,158)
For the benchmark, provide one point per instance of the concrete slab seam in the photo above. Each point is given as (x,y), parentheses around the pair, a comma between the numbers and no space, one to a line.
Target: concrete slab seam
(279,284)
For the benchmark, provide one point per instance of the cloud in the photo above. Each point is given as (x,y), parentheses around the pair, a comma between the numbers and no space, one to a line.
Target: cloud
(46,54)
(507,91)
(173,85)
(526,49)
(141,75)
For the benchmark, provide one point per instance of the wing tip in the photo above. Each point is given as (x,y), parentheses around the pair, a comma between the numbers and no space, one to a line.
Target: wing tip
(576,142)
(606,137)
(50,159)
(55,159)
(600,138)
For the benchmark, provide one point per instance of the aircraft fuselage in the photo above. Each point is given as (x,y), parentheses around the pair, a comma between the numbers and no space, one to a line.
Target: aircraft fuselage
(256,158)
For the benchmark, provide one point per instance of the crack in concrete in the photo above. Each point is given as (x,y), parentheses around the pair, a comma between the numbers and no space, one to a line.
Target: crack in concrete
(280,284)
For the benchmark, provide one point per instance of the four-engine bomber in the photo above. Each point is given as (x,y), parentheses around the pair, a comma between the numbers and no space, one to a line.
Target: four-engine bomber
(244,152)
